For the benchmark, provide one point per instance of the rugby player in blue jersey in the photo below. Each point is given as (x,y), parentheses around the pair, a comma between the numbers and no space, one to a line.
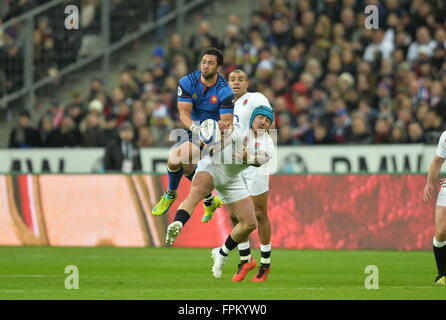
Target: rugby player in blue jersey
(202,95)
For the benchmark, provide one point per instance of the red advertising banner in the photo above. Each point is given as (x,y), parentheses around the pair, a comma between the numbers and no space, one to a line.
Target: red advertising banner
(306,212)
(331,212)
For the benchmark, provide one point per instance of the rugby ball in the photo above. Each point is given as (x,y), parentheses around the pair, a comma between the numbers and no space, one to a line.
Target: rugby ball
(209,131)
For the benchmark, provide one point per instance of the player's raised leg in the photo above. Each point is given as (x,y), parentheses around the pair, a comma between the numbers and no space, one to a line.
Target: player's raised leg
(243,210)
(179,163)
(202,184)
(211,202)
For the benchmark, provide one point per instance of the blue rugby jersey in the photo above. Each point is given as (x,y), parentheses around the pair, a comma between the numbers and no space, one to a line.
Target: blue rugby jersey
(207,102)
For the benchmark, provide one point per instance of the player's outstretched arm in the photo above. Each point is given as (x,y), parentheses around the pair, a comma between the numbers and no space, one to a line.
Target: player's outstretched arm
(185,110)
(434,170)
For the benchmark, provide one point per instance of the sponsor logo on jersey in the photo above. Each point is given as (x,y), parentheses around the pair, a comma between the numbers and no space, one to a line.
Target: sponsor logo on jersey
(245,102)
(257,145)
(194,96)
(214,99)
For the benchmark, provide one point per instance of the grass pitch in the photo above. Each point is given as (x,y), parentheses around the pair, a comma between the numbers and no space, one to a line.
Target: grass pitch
(178,273)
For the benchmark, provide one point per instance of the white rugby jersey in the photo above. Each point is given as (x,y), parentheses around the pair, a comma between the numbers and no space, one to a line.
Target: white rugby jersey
(441,148)
(245,105)
(223,159)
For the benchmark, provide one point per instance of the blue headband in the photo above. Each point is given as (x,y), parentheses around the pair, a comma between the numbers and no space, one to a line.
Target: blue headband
(264,111)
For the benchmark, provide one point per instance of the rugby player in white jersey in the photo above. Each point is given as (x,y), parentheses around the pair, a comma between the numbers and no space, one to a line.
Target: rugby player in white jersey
(253,147)
(439,241)
(256,180)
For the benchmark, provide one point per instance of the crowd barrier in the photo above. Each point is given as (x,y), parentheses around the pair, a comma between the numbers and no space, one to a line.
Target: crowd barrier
(306,212)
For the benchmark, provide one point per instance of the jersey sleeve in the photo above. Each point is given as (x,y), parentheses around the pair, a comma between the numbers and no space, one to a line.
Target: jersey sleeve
(184,90)
(227,101)
(441,148)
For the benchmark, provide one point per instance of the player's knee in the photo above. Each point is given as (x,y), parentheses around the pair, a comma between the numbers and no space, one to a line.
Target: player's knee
(172,165)
(440,232)
(199,191)
(188,169)
(261,215)
(250,225)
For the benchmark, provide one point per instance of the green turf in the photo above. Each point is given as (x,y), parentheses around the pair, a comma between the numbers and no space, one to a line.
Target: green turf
(177,273)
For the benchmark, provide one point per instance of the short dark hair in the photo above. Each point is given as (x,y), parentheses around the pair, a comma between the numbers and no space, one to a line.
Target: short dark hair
(125,126)
(214,52)
(25,114)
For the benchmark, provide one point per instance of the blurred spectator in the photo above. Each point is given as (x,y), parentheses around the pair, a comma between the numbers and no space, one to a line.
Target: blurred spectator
(286,136)
(398,134)
(76,113)
(92,136)
(44,54)
(12,64)
(360,132)
(123,114)
(176,48)
(67,135)
(55,113)
(415,133)
(321,135)
(123,154)
(139,120)
(423,45)
(128,86)
(46,129)
(96,87)
(161,124)
(204,32)
(110,129)
(24,135)
(340,130)
(145,137)
(382,131)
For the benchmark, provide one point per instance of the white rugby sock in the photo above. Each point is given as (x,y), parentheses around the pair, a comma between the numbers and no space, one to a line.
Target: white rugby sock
(244,249)
(265,251)
(438,244)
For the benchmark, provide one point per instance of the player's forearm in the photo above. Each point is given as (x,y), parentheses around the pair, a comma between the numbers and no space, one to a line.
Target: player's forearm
(186,120)
(434,169)
(185,110)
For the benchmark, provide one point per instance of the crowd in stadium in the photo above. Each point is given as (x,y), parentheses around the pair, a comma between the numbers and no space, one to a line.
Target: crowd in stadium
(329,79)
(55,46)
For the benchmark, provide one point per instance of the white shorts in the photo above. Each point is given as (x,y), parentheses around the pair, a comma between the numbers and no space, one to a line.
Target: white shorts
(230,188)
(256,180)
(441,199)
